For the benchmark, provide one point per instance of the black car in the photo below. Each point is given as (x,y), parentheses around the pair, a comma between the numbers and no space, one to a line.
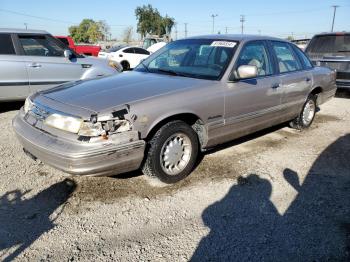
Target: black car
(332,50)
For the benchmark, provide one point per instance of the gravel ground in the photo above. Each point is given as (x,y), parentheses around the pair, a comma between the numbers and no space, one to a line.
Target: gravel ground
(276,195)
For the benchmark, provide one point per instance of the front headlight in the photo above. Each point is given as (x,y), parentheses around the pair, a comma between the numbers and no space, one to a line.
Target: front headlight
(66,123)
(115,65)
(27,105)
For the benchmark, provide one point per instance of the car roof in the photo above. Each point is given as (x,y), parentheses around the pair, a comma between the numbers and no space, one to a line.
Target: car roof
(22,31)
(332,33)
(236,37)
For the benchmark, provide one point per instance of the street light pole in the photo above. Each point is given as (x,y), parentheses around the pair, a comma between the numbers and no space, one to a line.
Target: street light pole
(26,25)
(213,16)
(335,10)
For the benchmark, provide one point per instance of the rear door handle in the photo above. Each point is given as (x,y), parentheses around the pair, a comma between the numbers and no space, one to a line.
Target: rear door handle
(308,79)
(35,65)
(277,85)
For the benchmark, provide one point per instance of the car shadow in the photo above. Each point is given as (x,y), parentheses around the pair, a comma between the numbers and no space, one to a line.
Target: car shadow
(10,106)
(23,220)
(246,226)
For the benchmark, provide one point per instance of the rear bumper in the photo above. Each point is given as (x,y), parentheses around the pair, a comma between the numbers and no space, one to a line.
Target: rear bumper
(79,158)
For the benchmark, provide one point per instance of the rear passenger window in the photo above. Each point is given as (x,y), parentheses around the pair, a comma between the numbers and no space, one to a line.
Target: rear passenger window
(129,51)
(306,62)
(6,45)
(141,51)
(255,53)
(287,62)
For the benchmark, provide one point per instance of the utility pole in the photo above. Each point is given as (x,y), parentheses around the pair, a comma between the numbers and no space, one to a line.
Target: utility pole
(242,20)
(335,10)
(186,30)
(26,25)
(175,31)
(213,16)
(226,32)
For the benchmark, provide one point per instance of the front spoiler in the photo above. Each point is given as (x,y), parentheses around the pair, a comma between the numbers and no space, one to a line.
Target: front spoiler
(79,158)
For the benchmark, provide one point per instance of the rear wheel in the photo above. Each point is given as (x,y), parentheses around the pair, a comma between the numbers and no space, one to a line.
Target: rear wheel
(172,152)
(307,114)
(125,65)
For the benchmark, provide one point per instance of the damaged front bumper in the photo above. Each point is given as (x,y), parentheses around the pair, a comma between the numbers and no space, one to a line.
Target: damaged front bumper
(79,158)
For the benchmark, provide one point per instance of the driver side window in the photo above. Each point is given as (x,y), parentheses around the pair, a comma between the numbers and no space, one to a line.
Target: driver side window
(40,45)
(255,54)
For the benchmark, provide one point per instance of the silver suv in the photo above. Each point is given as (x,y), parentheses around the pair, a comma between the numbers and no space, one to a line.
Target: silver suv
(32,60)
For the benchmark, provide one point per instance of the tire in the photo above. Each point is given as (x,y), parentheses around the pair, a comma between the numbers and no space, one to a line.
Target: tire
(172,152)
(307,114)
(125,65)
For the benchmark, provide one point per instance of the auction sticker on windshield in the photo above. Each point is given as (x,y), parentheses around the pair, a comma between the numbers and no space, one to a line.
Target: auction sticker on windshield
(224,44)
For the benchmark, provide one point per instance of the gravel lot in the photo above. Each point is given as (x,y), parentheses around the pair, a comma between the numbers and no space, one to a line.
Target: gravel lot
(277,195)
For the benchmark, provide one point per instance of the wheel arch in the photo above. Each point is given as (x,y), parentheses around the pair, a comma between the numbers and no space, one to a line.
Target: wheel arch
(191,119)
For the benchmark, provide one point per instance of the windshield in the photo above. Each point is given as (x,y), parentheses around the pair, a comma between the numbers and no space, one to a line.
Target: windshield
(197,58)
(329,44)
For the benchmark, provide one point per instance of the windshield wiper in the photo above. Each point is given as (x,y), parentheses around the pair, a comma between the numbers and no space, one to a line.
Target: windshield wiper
(171,72)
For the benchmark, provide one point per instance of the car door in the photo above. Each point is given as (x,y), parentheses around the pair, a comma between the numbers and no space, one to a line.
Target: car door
(130,56)
(45,61)
(296,80)
(140,54)
(252,104)
(14,84)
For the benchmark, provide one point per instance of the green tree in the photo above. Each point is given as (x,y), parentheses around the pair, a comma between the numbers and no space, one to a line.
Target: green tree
(89,31)
(149,21)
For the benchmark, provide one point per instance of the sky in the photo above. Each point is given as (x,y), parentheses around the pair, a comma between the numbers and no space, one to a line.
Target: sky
(298,18)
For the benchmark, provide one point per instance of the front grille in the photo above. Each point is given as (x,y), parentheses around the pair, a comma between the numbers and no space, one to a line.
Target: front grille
(343,83)
(343,75)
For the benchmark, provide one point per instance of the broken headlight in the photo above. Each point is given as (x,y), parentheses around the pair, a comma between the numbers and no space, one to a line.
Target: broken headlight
(90,129)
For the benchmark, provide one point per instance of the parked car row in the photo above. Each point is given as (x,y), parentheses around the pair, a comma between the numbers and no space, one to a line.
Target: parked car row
(192,95)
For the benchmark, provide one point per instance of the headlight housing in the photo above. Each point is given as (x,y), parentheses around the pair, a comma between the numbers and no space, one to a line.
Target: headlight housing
(66,123)
(28,104)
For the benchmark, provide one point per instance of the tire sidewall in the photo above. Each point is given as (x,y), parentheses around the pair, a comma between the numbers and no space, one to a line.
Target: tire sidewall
(179,127)
(301,122)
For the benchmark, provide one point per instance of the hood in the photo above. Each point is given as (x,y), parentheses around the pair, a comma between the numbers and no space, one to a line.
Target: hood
(100,94)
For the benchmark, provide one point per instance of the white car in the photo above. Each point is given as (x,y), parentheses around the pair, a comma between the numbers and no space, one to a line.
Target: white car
(128,56)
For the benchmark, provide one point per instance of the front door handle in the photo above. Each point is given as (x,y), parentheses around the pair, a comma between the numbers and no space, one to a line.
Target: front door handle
(277,85)
(35,65)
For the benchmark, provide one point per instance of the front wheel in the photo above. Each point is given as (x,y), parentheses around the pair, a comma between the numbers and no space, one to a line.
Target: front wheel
(172,152)
(307,114)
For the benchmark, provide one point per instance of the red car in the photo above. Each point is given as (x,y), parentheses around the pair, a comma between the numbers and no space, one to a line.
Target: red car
(91,50)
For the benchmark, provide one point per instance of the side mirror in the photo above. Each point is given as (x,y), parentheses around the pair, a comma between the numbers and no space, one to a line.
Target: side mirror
(68,54)
(247,71)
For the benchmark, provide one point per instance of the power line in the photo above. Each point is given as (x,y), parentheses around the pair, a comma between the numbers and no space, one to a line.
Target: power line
(335,10)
